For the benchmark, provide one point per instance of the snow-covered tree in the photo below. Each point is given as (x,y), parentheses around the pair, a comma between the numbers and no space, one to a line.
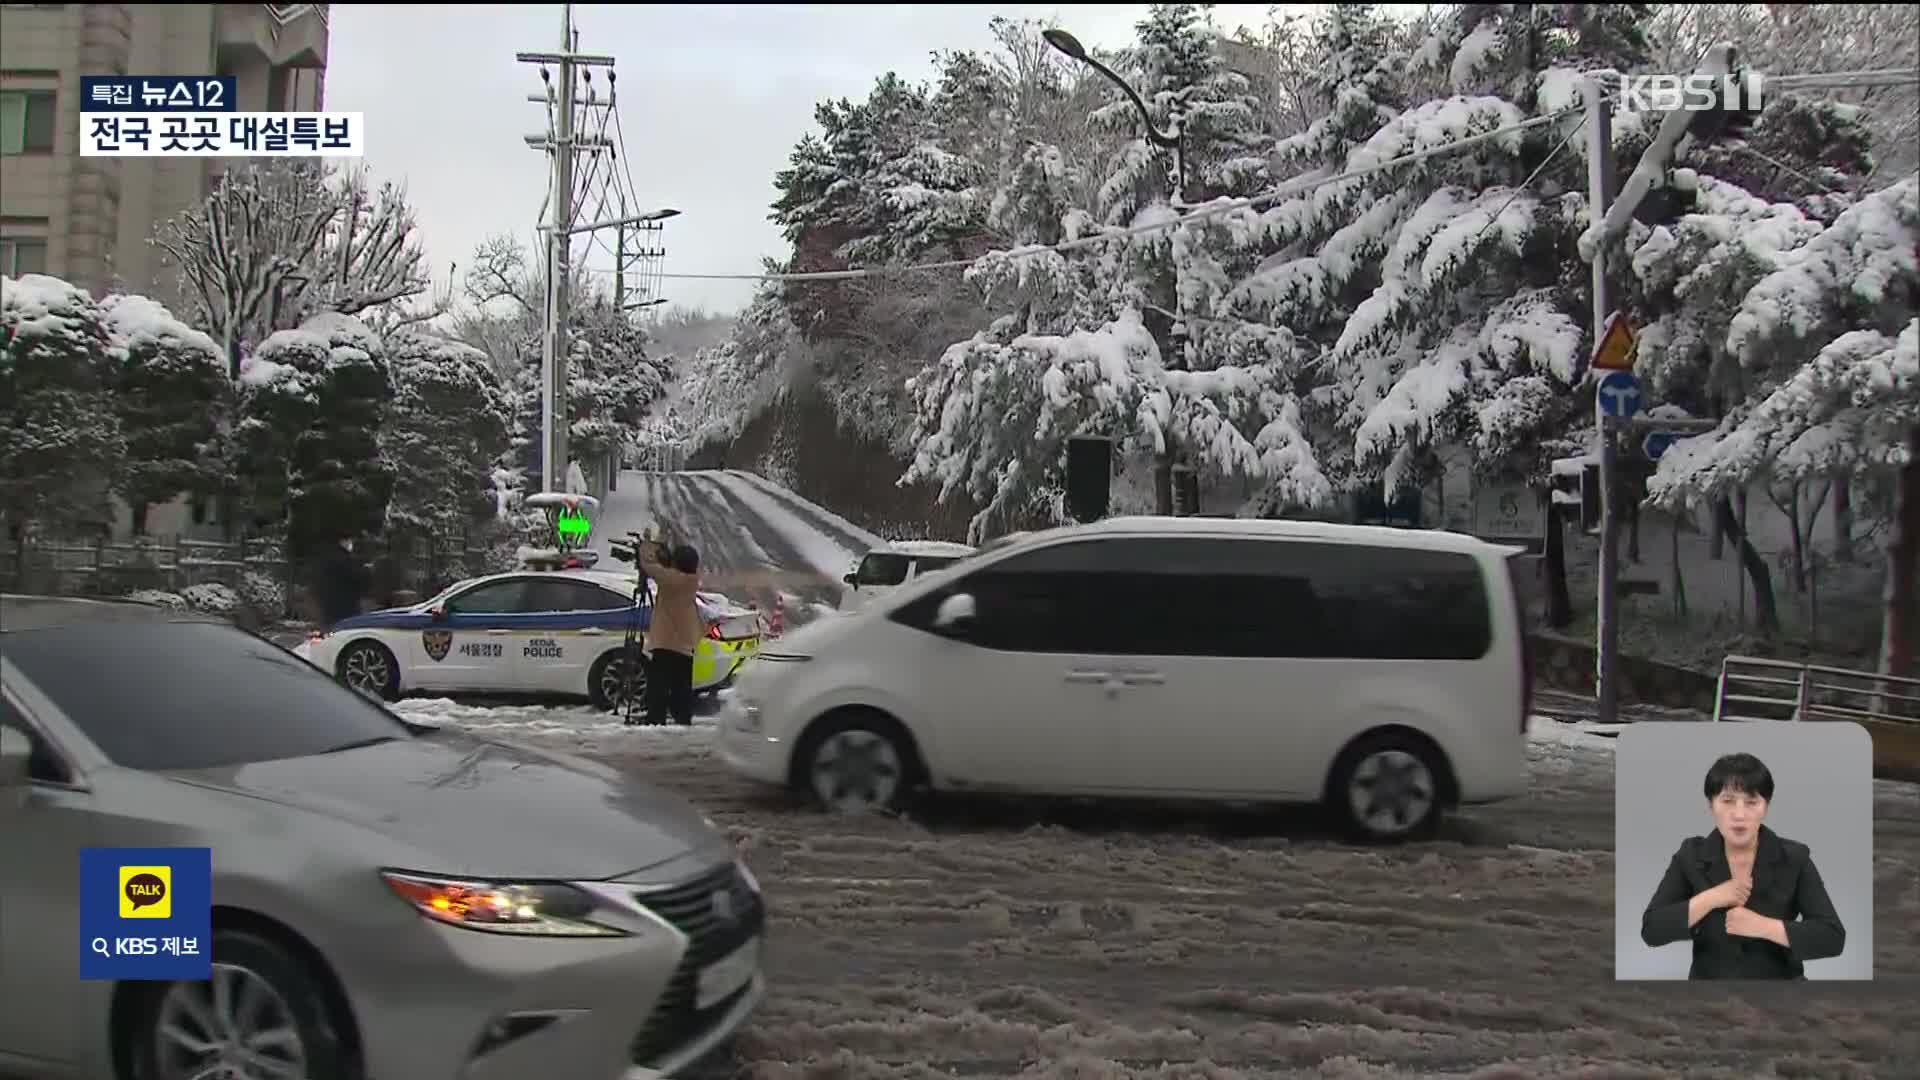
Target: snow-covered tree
(172,394)
(312,405)
(445,432)
(1832,332)
(281,240)
(1473,334)
(1794,39)
(60,442)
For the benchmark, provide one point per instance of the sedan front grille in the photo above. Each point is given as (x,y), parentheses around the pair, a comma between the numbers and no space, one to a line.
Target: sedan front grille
(714,928)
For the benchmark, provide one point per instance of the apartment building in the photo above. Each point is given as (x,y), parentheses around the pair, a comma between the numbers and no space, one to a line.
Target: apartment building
(88,219)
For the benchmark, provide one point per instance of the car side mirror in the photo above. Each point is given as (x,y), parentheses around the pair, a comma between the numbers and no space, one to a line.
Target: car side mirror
(15,755)
(850,578)
(438,614)
(954,610)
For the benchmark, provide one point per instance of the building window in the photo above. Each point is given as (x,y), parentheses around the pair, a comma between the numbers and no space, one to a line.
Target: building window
(22,256)
(26,121)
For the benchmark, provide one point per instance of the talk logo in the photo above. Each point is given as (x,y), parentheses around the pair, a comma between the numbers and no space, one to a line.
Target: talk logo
(146,892)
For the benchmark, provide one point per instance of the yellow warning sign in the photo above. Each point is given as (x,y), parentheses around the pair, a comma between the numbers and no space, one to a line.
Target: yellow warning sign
(1616,345)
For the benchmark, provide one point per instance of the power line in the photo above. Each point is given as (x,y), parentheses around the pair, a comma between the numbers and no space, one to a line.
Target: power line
(1215,209)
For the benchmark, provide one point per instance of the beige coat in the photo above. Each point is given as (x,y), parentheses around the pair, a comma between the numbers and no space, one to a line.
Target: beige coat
(675,625)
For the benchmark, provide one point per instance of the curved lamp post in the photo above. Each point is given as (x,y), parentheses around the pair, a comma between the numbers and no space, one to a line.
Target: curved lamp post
(1173,347)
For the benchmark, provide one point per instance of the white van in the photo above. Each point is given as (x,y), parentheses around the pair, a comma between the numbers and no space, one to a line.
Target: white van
(1382,671)
(887,568)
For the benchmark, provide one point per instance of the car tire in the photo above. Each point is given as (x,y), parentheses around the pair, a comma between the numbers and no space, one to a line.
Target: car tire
(604,679)
(1387,788)
(361,667)
(287,1000)
(858,761)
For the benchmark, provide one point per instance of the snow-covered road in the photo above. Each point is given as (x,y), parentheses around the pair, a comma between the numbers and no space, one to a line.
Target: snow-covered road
(1092,942)
(756,540)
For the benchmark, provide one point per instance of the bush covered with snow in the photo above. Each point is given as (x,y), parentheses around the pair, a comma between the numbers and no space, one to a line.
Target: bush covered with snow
(172,394)
(212,598)
(160,598)
(448,424)
(61,445)
(263,595)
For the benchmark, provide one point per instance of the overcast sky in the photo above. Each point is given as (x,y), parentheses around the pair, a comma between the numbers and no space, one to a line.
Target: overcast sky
(711,100)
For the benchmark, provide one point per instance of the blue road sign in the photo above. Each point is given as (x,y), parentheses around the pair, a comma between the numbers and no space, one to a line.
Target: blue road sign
(1656,443)
(1619,394)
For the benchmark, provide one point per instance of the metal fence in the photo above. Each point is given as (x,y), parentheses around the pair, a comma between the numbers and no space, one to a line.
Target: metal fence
(173,564)
(1754,688)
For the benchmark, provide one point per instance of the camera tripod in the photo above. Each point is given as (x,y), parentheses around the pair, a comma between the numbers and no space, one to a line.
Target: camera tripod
(628,551)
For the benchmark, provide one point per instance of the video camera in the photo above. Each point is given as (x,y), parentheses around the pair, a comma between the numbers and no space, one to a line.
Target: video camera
(628,550)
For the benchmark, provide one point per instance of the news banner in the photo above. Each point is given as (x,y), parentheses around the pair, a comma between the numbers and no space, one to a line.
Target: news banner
(198,116)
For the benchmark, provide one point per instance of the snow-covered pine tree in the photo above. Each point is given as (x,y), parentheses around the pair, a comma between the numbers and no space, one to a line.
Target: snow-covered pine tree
(1305,263)
(172,395)
(1474,334)
(446,430)
(1834,325)
(612,381)
(61,447)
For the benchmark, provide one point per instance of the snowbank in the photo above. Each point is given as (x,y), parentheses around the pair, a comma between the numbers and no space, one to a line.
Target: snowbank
(158,597)
(213,598)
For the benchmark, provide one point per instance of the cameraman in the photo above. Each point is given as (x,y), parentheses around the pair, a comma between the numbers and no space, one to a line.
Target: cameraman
(674,630)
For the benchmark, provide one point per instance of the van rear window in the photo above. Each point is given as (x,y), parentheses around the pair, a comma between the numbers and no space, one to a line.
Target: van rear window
(882,568)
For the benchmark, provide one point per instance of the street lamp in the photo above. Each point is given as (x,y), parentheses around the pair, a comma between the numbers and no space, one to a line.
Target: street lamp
(1172,340)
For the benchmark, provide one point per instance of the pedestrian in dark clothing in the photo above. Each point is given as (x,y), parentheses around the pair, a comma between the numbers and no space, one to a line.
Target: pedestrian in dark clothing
(339,581)
(673,632)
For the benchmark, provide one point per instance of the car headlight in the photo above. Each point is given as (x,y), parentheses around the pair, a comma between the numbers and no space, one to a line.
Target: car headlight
(502,907)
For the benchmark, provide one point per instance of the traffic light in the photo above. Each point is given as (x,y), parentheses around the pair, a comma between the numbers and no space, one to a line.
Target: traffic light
(1575,491)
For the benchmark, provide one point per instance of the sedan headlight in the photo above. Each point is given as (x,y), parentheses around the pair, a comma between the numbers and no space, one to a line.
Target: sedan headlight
(502,907)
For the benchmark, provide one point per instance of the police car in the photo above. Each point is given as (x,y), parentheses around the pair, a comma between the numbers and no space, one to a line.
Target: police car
(553,627)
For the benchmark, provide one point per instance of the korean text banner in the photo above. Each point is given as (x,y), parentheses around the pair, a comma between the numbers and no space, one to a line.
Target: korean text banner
(222,134)
(146,913)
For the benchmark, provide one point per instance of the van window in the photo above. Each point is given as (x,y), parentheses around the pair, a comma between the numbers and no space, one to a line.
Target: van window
(1181,596)
(927,564)
(882,568)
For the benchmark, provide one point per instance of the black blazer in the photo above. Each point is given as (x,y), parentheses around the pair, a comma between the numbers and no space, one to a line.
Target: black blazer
(1785,886)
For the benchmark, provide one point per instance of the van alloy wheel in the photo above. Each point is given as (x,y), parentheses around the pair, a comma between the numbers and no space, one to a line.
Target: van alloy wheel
(1392,791)
(235,1026)
(856,771)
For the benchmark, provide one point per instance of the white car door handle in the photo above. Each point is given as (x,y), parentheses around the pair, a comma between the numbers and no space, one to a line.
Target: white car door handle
(1143,678)
(593,631)
(1089,676)
(497,630)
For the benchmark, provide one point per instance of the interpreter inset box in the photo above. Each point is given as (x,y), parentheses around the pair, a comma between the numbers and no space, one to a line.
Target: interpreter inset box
(1743,851)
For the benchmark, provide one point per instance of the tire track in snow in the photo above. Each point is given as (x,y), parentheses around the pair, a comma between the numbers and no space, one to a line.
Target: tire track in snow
(808,513)
(804,580)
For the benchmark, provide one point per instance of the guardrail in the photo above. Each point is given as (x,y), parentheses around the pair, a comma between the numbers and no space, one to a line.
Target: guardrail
(1754,688)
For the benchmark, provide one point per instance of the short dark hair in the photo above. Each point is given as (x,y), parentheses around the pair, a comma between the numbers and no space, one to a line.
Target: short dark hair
(686,559)
(1739,772)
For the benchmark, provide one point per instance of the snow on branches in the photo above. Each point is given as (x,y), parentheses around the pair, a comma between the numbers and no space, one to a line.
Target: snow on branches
(281,240)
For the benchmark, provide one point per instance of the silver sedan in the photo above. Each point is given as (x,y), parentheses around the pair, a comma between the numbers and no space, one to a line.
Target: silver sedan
(389,900)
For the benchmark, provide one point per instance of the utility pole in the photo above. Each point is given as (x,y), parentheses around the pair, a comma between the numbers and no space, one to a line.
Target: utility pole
(1600,187)
(559,141)
(620,265)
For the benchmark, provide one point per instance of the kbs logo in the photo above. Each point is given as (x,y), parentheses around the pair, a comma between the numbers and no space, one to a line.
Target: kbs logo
(1692,93)
(146,892)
